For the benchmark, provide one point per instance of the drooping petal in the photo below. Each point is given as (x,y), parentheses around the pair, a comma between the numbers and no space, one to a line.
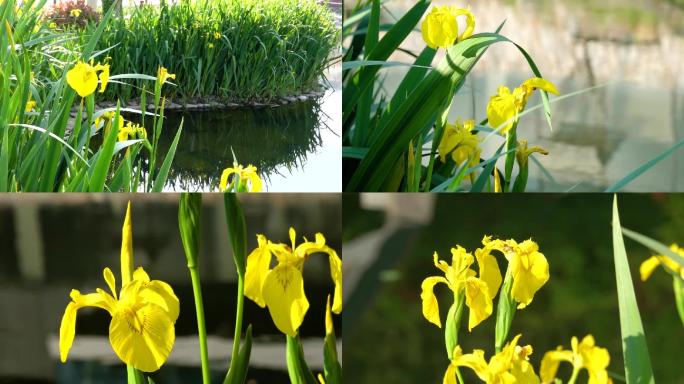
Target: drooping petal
(489,270)
(450,375)
(283,292)
(430,304)
(478,301)
(142,338)
(530,272)
(550,363)
(336,274)
(224,178)
(258,264)
(474,361)
(470,23)
(67,330)
(539,83)
(100,299)
(647,267)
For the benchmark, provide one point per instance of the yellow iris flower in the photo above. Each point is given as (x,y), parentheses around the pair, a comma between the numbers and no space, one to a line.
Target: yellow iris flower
(648,266)
(30,106)
(83,78)
(459,141)
(217,35)
(144,312)
(440,27)
(459,277)
(131,131)
(511,365)
(163,75)
(504,107)
(245,175)
(75,13)
(281,289)
(529,267)
(584,354)
(523,152)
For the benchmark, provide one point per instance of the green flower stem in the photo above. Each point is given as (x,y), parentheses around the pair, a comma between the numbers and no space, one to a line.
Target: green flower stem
(678,285)
(575,373)
(238,323)
(134,376)
(453,322)
(297,368)
(511,143)
(201,328)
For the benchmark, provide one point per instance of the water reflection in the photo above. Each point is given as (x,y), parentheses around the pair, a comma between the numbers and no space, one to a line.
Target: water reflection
(269,138)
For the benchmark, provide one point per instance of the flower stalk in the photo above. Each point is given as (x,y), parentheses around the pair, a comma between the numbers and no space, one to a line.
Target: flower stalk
(189,214)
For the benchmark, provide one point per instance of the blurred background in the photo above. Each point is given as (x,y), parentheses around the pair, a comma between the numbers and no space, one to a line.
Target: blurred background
(53,243)
(632,47)
(389,240)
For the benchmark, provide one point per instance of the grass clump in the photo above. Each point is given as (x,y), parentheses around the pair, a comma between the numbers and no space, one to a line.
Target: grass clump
(237,50)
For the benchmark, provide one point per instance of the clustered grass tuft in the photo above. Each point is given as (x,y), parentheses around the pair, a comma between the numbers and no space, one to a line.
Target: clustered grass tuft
(236,50)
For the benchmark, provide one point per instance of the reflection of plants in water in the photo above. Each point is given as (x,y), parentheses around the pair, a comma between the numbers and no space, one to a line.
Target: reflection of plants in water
(268,138)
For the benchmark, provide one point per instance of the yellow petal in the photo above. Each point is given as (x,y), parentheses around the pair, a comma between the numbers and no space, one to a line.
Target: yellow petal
(127,248)
(430,304)
(450,375)
(157,292)
(283,292)
(524,373)
(104,78)
(474,361)
(440,28)
(530,272)
(489,270)
(67,331)
(82,79)
(328,318)
(647,267)
(478,301)
(224,178)
(336,274)
(550,363)
(470,23)
(501,112)
(539,83)
(142,337)
(253,176)
(110,279)
(258,264)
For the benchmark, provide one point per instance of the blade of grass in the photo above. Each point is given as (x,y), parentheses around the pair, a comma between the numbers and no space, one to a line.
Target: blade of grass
(643,168)
(166,165)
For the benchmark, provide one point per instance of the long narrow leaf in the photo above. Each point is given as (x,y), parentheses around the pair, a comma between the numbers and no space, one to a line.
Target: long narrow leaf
(634,347)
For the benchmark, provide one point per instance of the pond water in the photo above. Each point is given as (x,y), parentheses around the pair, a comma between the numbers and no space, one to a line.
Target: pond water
(295,147)
(633,49)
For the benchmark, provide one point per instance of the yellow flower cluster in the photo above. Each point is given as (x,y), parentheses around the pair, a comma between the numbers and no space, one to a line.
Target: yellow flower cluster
(672,266)
(584,355)
(248,179)
(529,270)
(281,288)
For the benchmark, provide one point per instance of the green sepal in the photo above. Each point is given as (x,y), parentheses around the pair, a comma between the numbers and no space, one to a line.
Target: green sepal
(189,215)
(296,364)
(453,323)
(237,231)
(505,311)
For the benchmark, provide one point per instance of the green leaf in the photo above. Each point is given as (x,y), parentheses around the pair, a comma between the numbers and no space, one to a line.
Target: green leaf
(654,245)
(370,63)
(100,170)
(634,347)
(297,368)
(160,180)
(240,374)
(644,167)
(505,311)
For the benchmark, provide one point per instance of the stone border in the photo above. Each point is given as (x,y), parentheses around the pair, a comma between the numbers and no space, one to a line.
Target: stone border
(212,104)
